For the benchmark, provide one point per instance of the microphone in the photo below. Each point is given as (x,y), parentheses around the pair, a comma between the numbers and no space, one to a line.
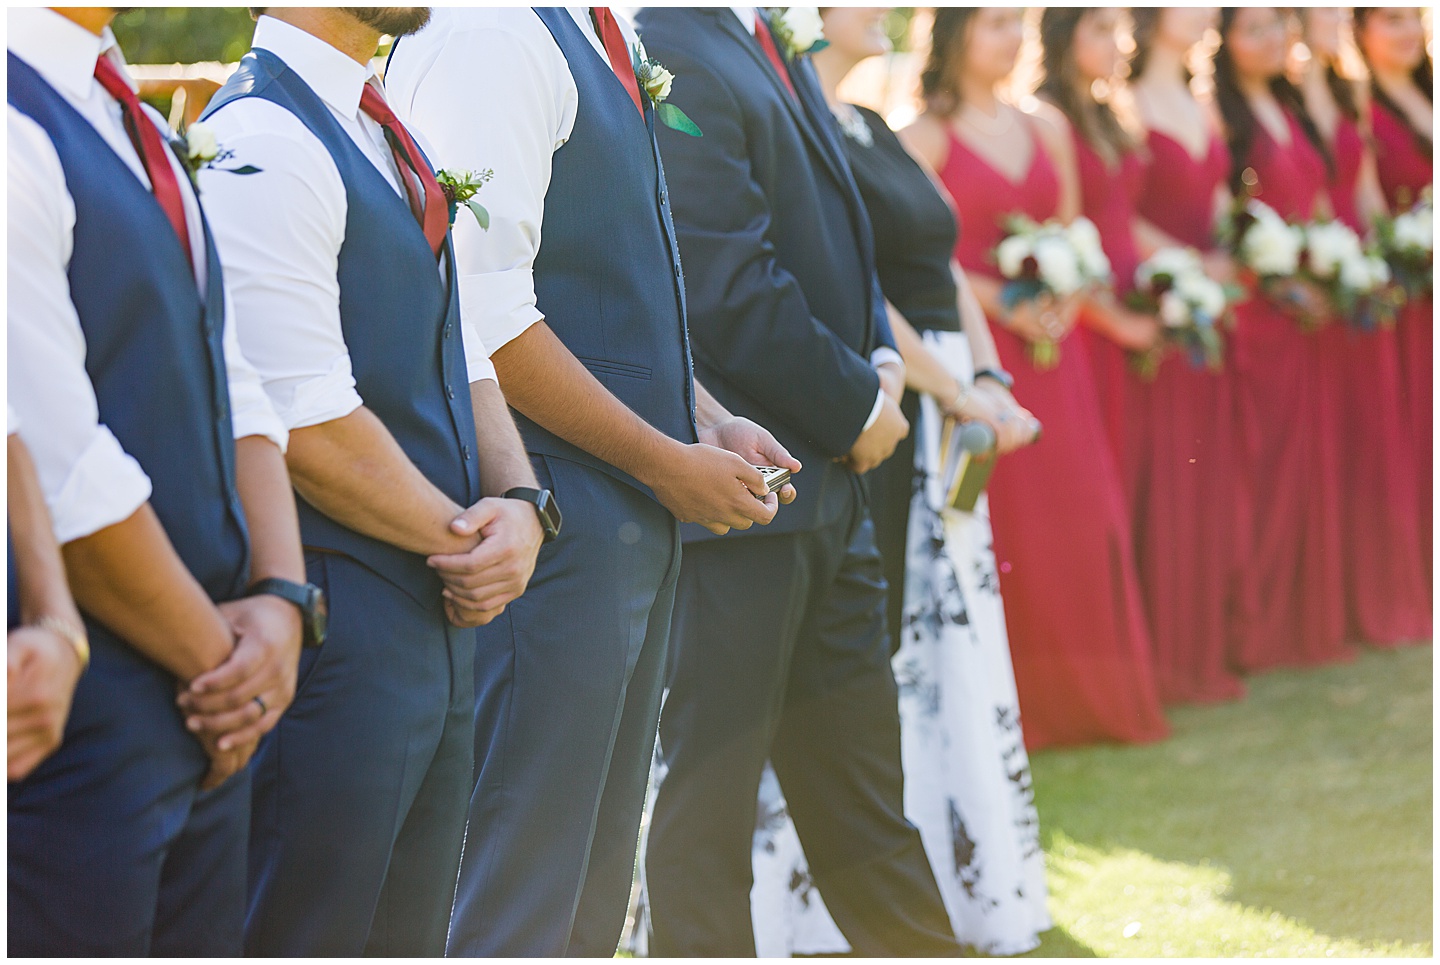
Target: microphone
(969,461)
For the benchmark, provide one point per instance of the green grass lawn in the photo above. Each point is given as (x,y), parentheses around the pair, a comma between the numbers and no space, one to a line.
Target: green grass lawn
(1296,822)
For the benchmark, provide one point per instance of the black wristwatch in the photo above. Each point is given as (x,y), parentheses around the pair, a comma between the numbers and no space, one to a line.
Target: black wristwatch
(307,597)
(999,375)
(545,507)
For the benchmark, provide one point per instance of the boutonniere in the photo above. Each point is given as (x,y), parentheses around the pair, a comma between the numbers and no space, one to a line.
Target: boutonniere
(655,81)
(460,187)
(798,30)
(198,150)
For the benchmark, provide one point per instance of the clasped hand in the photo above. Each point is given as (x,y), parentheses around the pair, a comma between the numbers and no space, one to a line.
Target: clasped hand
(482,582)
(221,707)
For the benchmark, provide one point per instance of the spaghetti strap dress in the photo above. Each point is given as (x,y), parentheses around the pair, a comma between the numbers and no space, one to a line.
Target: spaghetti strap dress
(1289,414)
(1062,538)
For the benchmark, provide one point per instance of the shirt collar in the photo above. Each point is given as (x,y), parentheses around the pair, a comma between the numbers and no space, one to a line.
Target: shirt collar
(747,17)
(60,50)
(334,76)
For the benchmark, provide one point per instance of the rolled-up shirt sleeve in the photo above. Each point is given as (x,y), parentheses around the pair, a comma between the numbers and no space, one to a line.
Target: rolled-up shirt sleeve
(89,481)
(251,413)
(438,83)
(279,233)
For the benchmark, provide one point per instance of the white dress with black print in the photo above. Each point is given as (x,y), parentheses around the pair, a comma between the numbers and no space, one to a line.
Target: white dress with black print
(967,776)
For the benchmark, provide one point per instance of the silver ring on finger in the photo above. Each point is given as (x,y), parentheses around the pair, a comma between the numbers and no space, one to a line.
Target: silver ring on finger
(263,709)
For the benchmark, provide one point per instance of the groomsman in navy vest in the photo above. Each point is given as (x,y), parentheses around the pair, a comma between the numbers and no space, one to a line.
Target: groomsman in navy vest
(161,461)
(780,647)
(587,330)
(406,461)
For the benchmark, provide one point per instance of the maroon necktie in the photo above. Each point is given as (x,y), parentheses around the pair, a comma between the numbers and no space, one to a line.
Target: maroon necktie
(431,212)
(154,155)
(620,62)
(762,34)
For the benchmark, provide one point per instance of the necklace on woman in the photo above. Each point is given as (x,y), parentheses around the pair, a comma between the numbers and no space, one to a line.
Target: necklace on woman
(1006,119)
(853,126)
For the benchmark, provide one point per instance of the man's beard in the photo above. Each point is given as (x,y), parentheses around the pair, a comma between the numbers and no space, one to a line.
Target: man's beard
(395,21)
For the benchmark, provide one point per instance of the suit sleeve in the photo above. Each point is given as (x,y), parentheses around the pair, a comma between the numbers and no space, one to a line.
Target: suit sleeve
(749,319)
(884,336)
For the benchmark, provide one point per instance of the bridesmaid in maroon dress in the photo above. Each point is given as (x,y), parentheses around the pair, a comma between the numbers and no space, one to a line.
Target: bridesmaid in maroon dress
(1387,588)
(1290,417)
(1080,46)
(1190,511)
(1393,42)
(1077,629)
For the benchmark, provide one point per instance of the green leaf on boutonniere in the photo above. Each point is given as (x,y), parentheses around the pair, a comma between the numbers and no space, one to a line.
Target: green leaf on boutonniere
(675,119)
(819,46)
(481,215)
(243,169)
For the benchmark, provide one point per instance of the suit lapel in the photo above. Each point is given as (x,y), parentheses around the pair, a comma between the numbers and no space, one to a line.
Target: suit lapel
(808,87)
(731,25)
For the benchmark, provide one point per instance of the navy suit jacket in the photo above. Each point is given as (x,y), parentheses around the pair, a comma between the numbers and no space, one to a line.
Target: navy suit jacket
(784,304)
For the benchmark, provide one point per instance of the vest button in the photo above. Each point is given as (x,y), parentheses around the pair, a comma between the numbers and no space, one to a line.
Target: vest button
(450,390)
(465,451)
(448,329)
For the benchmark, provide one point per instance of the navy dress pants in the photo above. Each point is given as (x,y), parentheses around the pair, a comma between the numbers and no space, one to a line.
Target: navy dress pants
(113,848)
(568,683)
(779,651)
(359,803)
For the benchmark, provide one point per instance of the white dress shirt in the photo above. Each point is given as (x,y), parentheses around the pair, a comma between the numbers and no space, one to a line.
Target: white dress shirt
(280,231)
(88,479)
(493,90)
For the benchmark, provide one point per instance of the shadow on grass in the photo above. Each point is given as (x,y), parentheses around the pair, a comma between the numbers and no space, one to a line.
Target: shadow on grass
(1059,943)
(1314,795)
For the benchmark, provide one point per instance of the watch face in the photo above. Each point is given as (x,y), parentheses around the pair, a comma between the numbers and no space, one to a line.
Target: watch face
(319,615)
(550,510)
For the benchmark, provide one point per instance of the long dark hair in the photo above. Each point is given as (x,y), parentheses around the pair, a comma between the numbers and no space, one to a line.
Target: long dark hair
(1423,75)
(1240,122)
(1094,120)
(947,52)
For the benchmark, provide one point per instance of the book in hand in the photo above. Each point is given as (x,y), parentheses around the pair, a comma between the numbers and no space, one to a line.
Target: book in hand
(967,458)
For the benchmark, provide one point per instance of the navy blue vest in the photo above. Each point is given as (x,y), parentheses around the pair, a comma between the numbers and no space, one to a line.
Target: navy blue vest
(401,322)
(153,344)
(607,276)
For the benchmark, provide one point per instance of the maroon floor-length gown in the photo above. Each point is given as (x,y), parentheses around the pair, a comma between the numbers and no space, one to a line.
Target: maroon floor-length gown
(1062,543)
(1289,416)
(1387,588)
(1107,197)
(1405,170)
(1190,502)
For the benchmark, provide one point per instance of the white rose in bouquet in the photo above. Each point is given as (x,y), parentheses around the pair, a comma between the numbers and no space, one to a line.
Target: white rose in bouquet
(1201,291)
(1379,270)
(1059,264)
(1415,229)
(1085,238)
(1271,246)
(1011,253)
(1331,245)
(1174,309)
(1354,273)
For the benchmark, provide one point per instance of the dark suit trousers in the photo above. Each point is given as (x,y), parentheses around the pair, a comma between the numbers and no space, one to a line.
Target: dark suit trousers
(113,848)
(568,683)
(779,650)
(360,791)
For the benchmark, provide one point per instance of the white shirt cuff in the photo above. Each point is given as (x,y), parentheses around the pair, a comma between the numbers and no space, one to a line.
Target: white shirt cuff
(317,400)
(104,487)
(884,354)
(500,304)
(477,359)
(875,412)
(252,415)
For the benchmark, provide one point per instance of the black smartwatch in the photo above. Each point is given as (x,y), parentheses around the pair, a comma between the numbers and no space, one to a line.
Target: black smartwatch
(307,597)
(999,375)
(545,507)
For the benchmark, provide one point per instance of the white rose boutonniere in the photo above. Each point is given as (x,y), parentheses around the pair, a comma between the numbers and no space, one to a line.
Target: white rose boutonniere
(798,30)
(199,150)
(656,81)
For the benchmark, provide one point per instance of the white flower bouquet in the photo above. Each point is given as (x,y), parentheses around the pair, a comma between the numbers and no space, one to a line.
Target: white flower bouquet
(1407,242)
(1050,261)
(1172,285)
(1356,280)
